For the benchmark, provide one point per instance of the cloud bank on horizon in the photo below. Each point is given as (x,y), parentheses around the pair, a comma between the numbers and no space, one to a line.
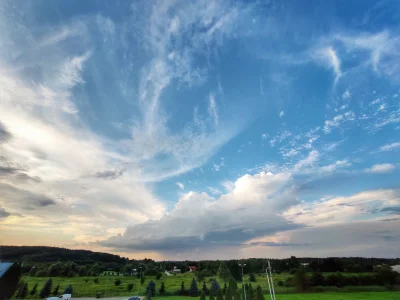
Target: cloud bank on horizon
(196,130)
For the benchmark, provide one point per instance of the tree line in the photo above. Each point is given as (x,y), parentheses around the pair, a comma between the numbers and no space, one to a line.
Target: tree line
(52,261)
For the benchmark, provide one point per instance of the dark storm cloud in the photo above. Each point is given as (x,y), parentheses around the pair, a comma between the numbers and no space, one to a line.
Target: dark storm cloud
(15,173)
(3,213)
(25,177)
(109,174)
(8,170)
(44,201)
(393,209)
(22,198)
(4,134)
(273,244)
(234,237)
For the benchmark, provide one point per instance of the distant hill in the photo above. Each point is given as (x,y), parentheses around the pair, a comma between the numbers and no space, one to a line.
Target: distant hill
(53,254)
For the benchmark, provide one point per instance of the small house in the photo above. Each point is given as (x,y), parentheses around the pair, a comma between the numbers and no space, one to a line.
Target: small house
(192,268)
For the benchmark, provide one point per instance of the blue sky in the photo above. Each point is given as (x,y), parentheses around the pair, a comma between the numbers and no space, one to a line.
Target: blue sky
(207,129)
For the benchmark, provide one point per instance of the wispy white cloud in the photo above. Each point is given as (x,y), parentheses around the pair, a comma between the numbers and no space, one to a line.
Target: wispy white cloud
(180,185)
(342,209)
(214,191)
(281,114)
(264,136)
(338,121)
(329,57)
(228,185)
(212,109)
(218,166)
(381,168)
(311,159)
(390,147)
(346,94)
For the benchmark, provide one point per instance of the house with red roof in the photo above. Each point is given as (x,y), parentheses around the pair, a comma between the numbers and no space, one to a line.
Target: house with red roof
(192,268)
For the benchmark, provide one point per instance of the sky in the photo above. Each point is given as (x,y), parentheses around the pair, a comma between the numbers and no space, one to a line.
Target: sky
(201,129)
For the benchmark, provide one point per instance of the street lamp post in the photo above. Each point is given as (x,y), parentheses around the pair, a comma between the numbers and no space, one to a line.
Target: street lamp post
(244,287)
(140,278)
(25,283)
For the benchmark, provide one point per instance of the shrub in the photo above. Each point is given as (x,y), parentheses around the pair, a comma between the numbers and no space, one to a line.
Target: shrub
(130,287)
(162,288)
(158,276)
(46,290)
(34,290)
(183,290)
(68,290)
(317,279)
(280,283)
(96,280)
(151,289)
(41,273)
(117,282)
(193,291)
(203,295)
(293,271)
(252,277)
(55,292)
(301,280)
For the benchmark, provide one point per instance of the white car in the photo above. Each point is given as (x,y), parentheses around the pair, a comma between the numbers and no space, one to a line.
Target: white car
(61,297)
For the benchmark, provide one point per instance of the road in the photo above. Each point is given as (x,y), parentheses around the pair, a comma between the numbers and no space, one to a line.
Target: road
(111,298)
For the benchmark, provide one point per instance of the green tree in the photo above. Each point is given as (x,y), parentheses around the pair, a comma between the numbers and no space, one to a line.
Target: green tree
(183,290)
(224,288)
(203,295)
(215,287)
(151,289)
(387,276)
(34,290)
(117,282)
(96,280)
(193,291)
(46,290)
(212,295)
(317,279)
(252,277)
(220,295)
(250,292)
(204,288)
(162,288)
(22,290)
(228,294)
(301,280)
(159,275)
(236,295)
(130,286)
(259,293)
(233,286)
(68,290)
(142,280)
(55,292)
(223,272)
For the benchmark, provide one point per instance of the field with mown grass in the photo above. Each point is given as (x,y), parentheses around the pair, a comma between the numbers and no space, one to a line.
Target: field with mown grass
(86,287)
(324,296)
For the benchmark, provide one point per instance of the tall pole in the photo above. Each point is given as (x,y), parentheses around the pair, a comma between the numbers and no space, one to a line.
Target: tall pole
(25,283)
(140,279)
(244,287)
(272,282)
(269,284)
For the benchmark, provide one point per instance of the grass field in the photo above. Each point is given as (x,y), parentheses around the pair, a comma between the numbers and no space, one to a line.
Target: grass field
(324,296)
(85,286)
